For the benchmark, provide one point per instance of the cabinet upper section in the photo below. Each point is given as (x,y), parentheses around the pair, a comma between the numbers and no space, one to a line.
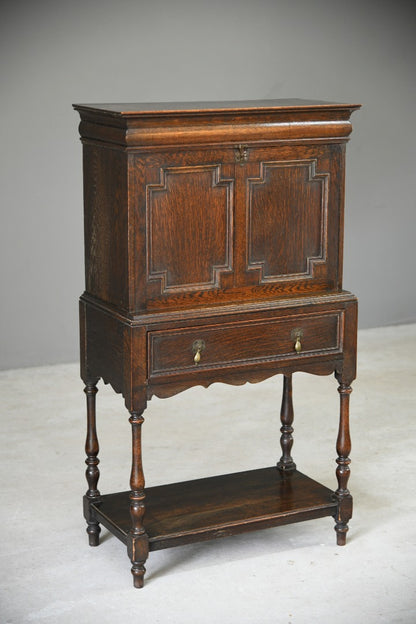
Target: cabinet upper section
(139,125)
(189,205)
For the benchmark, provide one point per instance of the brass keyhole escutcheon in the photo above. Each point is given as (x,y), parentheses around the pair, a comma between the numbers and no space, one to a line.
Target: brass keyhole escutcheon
(197,347)
(241,154)
(296,335)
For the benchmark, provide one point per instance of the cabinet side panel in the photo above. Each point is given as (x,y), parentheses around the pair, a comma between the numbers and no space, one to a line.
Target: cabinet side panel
(103,347)
(347,371)
(105,223)
(339,191)
(114,351)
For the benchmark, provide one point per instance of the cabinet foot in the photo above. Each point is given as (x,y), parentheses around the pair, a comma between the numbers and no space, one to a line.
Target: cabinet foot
(341,534)
(138,572)
(94,531)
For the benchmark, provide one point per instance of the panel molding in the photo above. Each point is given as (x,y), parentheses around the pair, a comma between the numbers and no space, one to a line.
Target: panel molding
(217,270)
(311,261)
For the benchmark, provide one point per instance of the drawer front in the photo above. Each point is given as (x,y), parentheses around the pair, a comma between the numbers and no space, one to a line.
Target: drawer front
(219,346)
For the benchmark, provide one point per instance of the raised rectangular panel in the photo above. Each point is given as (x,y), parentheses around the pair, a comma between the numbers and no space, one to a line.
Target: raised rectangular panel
(189,228)
(287,220)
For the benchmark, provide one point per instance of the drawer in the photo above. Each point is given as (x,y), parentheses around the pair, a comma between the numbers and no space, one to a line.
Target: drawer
(244,343)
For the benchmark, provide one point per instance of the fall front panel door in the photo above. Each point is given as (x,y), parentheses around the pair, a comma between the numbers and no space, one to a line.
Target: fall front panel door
(232,230)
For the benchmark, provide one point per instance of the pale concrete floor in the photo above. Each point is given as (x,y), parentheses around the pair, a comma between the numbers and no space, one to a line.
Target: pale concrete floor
(294,574)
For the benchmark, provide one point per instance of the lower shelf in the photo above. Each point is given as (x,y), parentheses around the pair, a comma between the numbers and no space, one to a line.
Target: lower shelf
(181,513)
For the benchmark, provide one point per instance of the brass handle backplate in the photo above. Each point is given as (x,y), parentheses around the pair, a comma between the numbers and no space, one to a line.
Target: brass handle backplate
(197,347)
(296,335)
(241,154)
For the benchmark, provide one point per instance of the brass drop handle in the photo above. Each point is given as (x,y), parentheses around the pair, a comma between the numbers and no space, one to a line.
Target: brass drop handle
(197,348)
(297,334)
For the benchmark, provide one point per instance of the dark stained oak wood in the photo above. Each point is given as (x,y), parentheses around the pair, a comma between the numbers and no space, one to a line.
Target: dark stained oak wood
(92,472)
(182,513)
(175,235)
(189,261)
(213,253)
(342,494)
(124,359)
(264,340)
(139,109)
(137,538)
(277,200)
(188,123)
(286,465)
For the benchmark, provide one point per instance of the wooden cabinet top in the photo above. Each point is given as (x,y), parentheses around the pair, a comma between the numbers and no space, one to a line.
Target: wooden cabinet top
(136,126)
(216,107)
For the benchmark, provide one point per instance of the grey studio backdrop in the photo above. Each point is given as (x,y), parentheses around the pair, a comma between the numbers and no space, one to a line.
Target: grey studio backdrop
(56,53)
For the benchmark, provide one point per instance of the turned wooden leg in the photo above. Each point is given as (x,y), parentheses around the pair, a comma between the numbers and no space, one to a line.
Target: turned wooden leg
(92,473)
(137,540)
(342,494)
(286,464)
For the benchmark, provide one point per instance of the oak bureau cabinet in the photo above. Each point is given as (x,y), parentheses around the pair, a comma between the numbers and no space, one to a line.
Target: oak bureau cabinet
(213,251)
